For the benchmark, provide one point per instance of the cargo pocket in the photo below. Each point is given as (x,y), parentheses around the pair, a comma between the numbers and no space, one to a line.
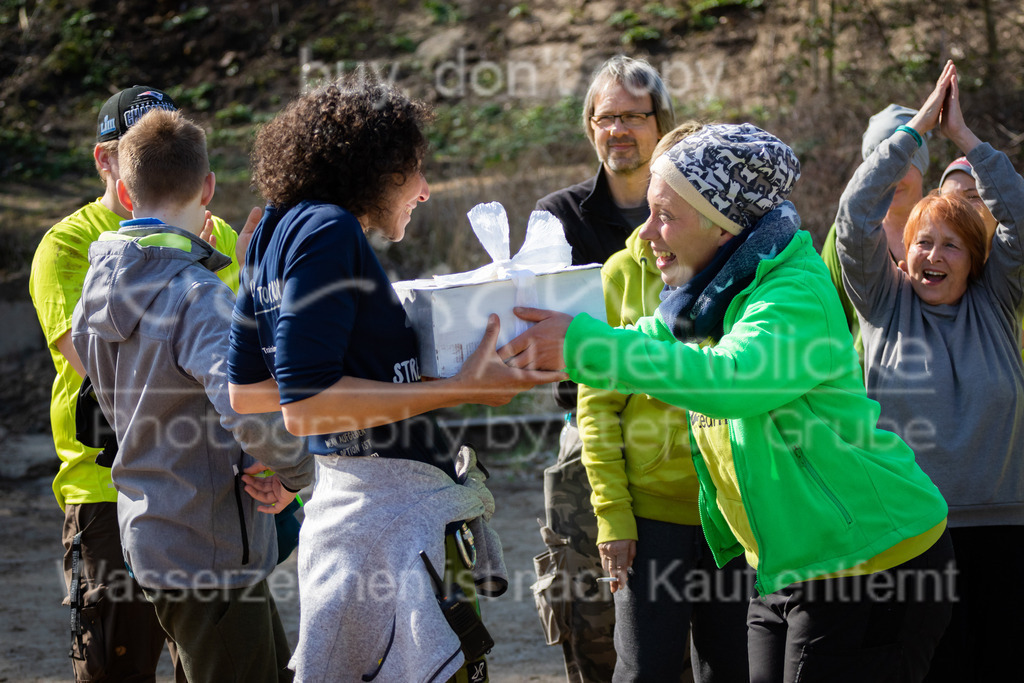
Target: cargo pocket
(552,592)
(88,644)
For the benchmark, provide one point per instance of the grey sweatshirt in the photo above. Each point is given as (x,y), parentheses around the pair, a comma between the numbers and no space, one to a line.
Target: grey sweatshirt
(949,378)
(152,330)
(367,605)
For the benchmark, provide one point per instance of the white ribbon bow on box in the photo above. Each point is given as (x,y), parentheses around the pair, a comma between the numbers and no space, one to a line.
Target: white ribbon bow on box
(544,251)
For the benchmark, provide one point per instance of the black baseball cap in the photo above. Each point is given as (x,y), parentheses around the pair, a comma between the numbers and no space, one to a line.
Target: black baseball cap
(126,107)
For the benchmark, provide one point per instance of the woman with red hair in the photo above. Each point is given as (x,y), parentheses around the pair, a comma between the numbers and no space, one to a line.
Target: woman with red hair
(948,224)
(941,336)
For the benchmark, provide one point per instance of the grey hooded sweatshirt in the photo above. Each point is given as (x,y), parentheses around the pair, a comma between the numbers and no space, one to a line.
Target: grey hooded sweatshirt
(152,330)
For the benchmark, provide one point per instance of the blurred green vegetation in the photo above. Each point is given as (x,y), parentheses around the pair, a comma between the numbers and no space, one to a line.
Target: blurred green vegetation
(443,12)
(648,24)
(464,137)
(833,65)
(475,137)
(29,155)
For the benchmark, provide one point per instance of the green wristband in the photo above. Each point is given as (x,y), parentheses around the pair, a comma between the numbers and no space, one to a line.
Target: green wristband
(913,133)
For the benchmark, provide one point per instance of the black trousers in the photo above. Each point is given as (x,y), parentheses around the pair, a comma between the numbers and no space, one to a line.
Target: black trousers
(986,633)
(878,627)
(674,585)
(225,634)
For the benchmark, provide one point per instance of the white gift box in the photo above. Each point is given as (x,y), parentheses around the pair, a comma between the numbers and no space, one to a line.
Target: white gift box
(449,312)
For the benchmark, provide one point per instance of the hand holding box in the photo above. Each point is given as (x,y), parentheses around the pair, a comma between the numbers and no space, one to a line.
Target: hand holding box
(449,312)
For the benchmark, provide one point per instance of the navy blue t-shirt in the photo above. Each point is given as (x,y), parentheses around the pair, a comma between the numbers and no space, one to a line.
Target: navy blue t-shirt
(315,305)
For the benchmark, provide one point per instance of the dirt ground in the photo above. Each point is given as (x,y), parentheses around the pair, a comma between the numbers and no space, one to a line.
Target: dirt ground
(33,626)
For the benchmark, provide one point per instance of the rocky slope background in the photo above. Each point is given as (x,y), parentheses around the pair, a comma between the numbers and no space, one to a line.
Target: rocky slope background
(506,80)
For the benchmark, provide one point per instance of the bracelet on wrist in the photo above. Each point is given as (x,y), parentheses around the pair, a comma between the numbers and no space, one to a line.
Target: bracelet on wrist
(913,133)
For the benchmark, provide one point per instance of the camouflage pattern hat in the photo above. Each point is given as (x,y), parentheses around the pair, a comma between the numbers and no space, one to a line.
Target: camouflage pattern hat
(731,174)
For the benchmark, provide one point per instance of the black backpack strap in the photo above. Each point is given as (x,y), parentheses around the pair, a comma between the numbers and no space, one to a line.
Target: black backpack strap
(91,425)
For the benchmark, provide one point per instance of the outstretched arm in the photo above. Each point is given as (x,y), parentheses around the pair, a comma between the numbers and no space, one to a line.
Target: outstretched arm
(355,403)
(999,185)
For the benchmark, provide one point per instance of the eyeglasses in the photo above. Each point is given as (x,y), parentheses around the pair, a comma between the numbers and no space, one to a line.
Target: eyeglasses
(629,120)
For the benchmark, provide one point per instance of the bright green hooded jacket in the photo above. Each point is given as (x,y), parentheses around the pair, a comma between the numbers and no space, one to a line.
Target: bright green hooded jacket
(823,488)
(636,448)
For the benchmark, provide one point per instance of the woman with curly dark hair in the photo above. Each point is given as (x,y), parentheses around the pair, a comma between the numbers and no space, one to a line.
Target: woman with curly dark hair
(346,147)
(319,334)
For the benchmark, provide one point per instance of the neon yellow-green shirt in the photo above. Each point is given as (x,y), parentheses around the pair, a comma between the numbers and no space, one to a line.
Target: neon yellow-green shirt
(55,285)
(712,437)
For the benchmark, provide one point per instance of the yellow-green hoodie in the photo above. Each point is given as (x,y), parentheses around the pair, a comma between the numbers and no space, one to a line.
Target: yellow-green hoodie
(636,448)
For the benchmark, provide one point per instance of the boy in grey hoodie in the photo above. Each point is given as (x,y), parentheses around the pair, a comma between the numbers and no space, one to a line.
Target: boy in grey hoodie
(152,330)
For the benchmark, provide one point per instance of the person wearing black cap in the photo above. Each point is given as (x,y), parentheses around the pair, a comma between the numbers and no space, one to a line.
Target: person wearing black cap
(118,638)
(122,110)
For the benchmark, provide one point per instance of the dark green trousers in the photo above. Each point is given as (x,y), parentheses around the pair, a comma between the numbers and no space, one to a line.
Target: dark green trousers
(225,635)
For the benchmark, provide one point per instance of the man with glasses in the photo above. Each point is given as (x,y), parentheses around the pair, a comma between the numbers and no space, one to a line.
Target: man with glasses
(626,111)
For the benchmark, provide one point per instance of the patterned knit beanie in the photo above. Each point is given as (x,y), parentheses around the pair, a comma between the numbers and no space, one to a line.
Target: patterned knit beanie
(731,174)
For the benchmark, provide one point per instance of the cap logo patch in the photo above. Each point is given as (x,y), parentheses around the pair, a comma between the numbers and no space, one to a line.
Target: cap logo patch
(108,125)
(136,111)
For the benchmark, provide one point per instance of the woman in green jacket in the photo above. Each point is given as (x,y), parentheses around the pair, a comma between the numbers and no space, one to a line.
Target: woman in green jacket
(845,532)
(636,450)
